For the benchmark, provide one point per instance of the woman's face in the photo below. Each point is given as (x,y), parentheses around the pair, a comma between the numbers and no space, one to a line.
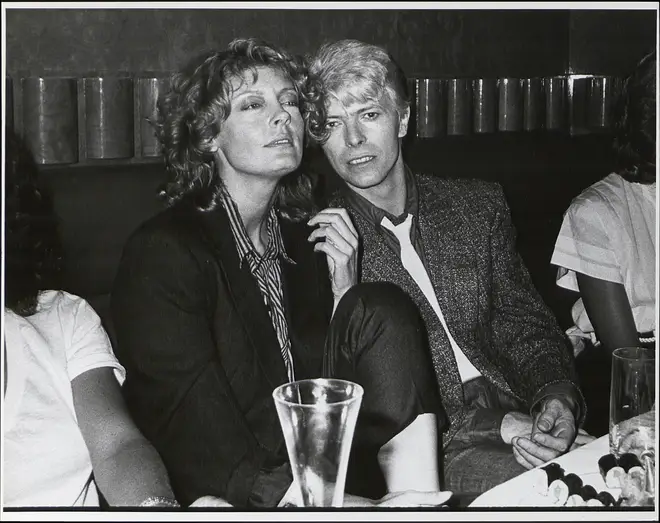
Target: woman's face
(263,135)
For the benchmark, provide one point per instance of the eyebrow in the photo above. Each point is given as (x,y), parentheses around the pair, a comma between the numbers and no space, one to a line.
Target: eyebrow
(366,108)
(261,93)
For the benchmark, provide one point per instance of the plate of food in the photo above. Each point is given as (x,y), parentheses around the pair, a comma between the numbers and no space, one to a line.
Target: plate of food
(618,482)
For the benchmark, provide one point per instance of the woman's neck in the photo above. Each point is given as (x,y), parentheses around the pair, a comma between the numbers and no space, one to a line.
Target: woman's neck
(254,202)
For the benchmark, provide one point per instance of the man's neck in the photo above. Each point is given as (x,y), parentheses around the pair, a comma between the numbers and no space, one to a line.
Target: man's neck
(389,195)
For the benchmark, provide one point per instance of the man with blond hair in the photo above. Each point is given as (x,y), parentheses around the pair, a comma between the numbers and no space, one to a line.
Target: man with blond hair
(503,366)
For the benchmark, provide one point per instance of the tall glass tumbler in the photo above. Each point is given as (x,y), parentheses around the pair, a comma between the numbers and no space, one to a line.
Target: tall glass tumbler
(632,402)
(318,418)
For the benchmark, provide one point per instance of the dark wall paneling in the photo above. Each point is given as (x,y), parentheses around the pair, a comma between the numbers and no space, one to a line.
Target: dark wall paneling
(610,42)
(481,43)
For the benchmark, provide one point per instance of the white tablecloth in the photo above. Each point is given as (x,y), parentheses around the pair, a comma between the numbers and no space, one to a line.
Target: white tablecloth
(517,492)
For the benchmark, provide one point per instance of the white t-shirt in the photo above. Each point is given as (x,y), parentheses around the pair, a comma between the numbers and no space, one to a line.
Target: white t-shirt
(46,461)
(608,233)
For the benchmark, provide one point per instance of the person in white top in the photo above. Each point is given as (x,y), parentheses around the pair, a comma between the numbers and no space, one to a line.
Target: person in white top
(606,245)
(605,249)
(66,430)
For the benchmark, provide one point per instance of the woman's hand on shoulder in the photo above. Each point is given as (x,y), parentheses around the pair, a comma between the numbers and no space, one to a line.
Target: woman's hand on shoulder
(339,242)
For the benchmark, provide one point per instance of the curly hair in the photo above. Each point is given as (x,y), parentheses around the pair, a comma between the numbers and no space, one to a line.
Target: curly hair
(191,114)
(33,252)
(635,125)
(352,71)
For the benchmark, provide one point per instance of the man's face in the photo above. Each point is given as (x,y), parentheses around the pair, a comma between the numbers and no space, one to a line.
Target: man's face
(363,146)
(263,134)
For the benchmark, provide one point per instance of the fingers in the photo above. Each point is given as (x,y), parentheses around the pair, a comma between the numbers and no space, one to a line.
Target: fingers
(521,460)
(340,246)
(534,454)
(583,438)
(559,443)
(413,498)
(340,219)
(333,237)
(547,418)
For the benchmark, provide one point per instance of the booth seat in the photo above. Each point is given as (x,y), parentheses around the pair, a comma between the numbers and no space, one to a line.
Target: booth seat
(100,205)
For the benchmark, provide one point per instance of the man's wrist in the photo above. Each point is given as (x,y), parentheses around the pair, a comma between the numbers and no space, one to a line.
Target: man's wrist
(564,391)
(568,402)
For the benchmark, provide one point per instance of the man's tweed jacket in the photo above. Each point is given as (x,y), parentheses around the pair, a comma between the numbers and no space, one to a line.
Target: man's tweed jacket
(484,290)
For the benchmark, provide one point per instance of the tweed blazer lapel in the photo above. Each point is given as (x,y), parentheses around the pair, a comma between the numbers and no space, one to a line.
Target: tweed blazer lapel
(450,256)
(451,243)
(243,291)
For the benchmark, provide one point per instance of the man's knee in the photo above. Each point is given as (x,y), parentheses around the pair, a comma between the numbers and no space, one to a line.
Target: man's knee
(384,299)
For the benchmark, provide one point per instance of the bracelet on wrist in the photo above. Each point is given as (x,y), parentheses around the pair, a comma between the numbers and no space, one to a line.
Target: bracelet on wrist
(160,501)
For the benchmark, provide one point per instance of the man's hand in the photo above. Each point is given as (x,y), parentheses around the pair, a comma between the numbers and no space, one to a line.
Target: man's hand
(515,424)
(553,433)
(340,246)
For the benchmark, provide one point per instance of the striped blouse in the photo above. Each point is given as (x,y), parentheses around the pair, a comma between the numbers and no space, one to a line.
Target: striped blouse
(266,270)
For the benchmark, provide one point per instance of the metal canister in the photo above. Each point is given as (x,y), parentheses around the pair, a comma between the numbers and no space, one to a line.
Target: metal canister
(510,104)
(430,119)
(484,105)
(533,104)
(602,94)
(555,102)
(50,118)
(149,89)
(459,102)
(109,117)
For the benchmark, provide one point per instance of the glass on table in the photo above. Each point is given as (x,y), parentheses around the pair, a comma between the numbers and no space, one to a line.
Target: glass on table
(632,401)
(632,412)
(318,418)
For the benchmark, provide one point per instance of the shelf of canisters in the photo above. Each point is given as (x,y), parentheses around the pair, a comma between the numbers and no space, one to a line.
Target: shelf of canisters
(574,104)
(92,120)
(102,119)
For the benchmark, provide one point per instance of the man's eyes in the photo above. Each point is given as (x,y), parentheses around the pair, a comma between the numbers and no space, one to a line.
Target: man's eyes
(371,115)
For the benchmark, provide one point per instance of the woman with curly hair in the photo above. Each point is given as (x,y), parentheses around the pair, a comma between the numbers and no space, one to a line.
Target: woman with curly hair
(240,286)
(606,246)
(66,428)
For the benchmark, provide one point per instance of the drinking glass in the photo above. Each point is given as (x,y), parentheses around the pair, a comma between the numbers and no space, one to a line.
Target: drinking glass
(318,418)
(632,402)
